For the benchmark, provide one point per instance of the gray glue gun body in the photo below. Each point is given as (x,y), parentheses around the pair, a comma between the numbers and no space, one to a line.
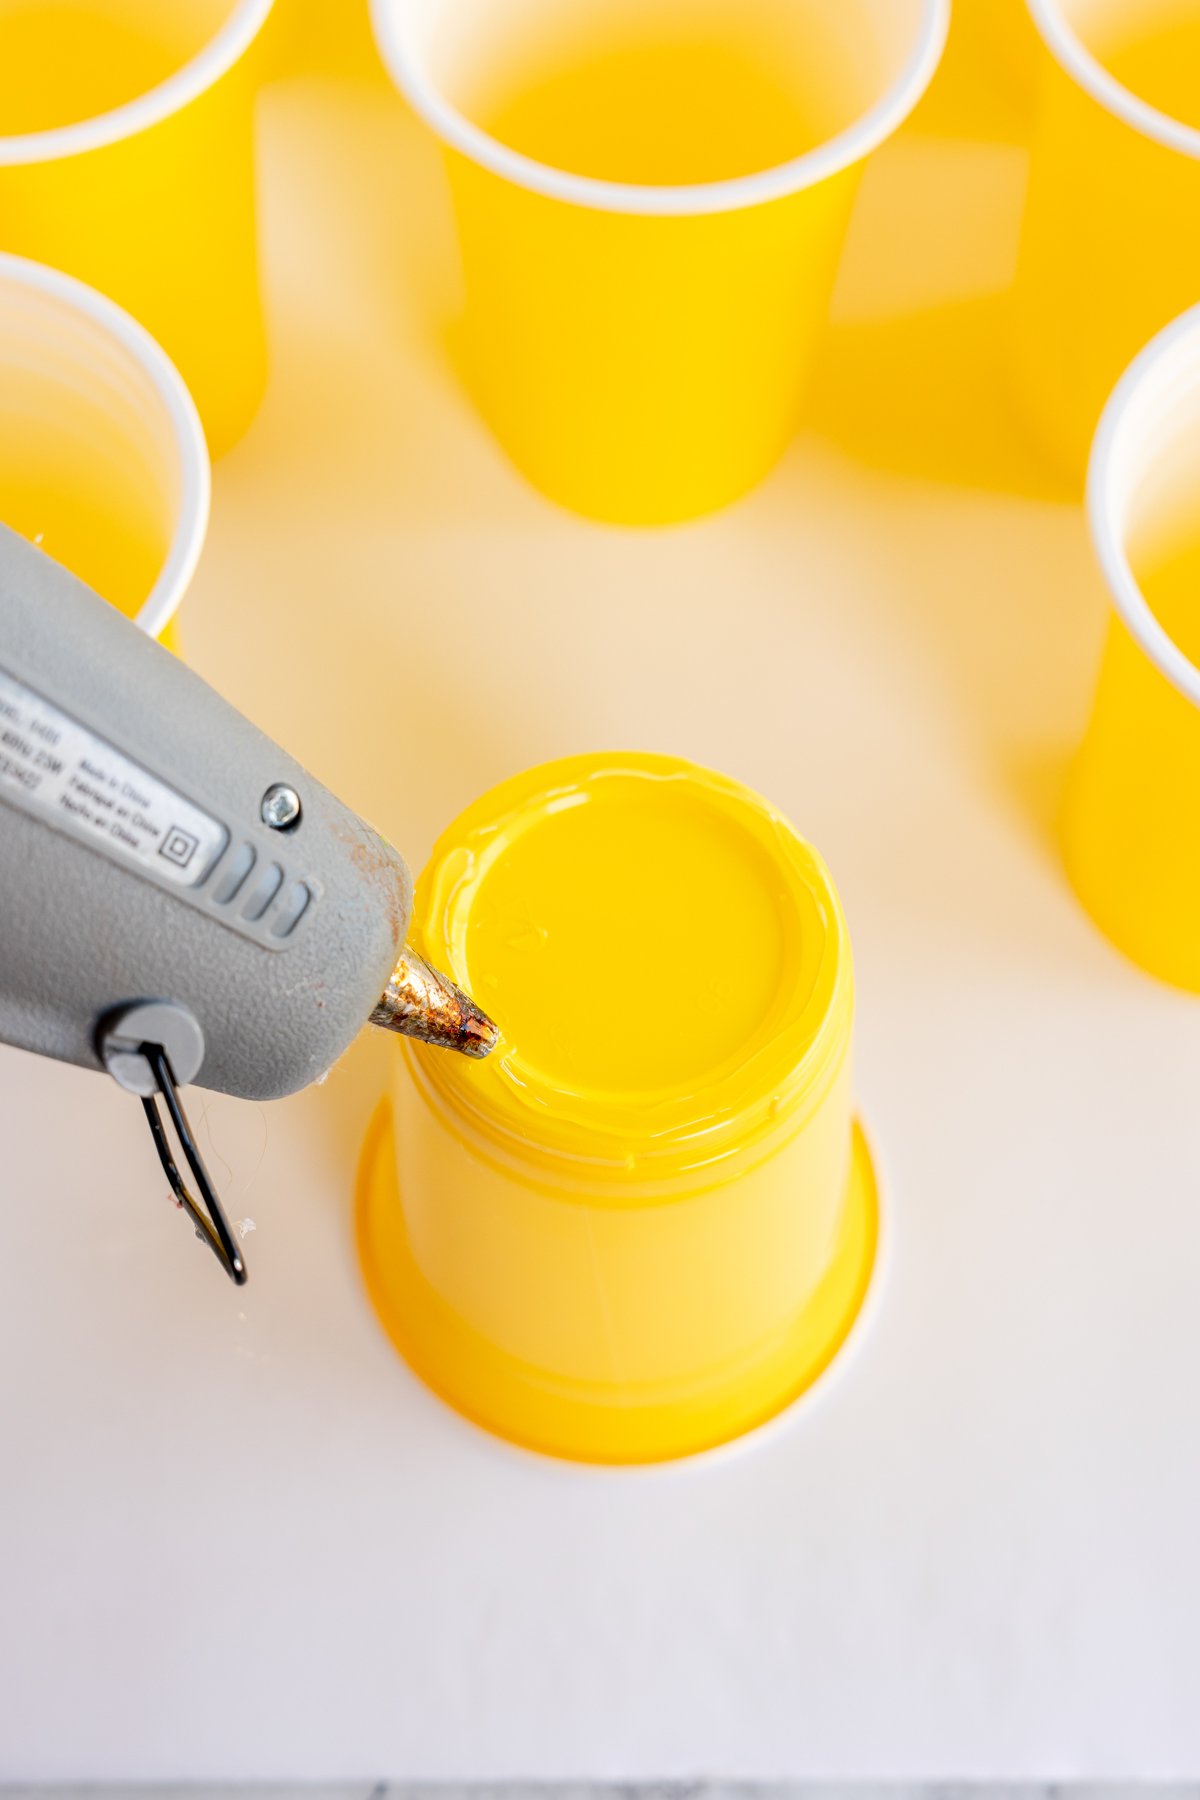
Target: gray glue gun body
(156,847)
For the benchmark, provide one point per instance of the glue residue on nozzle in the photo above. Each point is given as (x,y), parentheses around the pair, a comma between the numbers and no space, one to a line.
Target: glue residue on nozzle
(420,1002)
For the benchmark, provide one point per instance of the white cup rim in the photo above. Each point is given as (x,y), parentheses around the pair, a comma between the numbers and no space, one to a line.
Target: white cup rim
(204,70)
(1072,55)
(195,477)
(1148,389)
(837,153)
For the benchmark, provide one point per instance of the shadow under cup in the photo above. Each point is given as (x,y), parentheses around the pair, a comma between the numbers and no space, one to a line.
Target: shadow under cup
(1131,833)
(102,455)
(651,202)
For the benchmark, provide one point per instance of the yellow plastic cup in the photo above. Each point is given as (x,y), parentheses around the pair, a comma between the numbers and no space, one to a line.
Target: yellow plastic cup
(1001,30)
(322,37)
(639,340)
(985,84)
(127,159)
(1110,251)
(102,454)
(648,1221)
(1132,844)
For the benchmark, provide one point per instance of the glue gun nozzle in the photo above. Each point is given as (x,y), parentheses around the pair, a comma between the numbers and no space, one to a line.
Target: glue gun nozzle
(420,1003)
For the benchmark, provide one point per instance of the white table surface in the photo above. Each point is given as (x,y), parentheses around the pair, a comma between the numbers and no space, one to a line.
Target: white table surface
(239,1539)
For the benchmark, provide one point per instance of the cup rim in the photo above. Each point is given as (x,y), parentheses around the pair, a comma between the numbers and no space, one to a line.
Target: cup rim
(773,1432)
(1150,382)
(204,70)
(195,474)
(829,158)
(1073,56)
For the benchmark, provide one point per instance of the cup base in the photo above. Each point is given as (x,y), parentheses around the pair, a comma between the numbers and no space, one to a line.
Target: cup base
(1128,925)
(515,1401)
(640,504)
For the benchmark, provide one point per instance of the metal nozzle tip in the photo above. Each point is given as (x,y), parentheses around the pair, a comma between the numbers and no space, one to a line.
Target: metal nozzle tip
(479,1035)
(420,1003)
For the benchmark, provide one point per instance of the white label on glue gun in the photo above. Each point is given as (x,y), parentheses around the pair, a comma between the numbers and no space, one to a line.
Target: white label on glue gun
(61,771)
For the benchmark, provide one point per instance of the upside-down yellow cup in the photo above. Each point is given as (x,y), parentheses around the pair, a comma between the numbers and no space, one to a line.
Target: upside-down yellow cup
(127,159)
(649,249)
(1132,841)
(102,454)
(1110,249)
(647,1222)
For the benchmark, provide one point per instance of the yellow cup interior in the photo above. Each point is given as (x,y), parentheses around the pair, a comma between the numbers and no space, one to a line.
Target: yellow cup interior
(66,61)
(102,461)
